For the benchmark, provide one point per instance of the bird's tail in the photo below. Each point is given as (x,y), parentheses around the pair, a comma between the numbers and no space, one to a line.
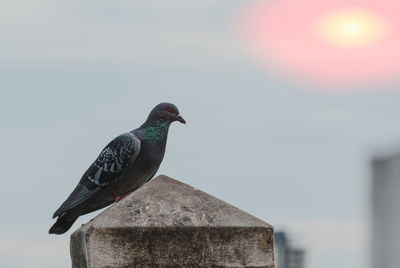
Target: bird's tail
(62,224)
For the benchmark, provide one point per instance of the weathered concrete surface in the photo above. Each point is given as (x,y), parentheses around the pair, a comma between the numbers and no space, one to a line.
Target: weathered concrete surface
(167,223)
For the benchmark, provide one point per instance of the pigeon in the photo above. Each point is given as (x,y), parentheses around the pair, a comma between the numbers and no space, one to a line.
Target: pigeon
(125,164)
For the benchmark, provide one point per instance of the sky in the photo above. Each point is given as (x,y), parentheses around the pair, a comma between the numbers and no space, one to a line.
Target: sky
(290,150)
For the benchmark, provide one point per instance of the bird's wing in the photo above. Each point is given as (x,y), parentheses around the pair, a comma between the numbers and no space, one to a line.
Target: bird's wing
(112,161)
(106,169)
(80,194)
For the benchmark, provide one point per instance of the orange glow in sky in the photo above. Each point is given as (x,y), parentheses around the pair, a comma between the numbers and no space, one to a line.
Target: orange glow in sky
(351,27)
(331,41)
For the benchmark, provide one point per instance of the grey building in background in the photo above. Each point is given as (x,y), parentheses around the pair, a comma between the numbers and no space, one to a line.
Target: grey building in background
(386,212)
(285,255)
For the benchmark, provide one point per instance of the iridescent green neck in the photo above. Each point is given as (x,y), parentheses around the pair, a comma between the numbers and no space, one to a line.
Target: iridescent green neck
(156,131)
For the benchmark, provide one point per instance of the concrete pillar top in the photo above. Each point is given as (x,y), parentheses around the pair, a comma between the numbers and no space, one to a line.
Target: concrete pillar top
(167,223)
(166,202)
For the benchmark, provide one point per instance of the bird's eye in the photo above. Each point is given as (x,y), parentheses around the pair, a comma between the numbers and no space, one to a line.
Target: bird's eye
(170,110)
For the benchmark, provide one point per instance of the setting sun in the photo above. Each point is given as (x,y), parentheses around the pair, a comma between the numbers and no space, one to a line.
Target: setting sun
(340,43)
(351,27)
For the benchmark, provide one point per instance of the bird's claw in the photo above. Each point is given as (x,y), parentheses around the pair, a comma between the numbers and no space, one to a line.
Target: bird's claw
(118,198)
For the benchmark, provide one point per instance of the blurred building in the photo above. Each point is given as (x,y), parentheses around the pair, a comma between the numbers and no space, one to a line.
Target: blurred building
(386,212)
(285,255)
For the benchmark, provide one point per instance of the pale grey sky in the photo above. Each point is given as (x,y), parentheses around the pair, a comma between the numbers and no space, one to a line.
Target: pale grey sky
(75,74)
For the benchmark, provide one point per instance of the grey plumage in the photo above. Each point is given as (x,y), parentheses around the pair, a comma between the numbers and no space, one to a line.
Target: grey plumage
(122,151)
(125,164)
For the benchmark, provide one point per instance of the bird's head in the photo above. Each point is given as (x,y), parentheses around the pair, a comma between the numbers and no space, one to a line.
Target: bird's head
(167,112)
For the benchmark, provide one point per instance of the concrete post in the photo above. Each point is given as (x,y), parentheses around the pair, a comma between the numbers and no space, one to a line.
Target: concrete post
(167,223)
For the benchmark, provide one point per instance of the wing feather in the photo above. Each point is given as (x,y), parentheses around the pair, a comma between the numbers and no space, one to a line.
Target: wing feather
(78,196)
(106,169)
(113,160)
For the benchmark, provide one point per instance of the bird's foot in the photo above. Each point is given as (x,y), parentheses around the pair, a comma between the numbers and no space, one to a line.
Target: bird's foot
(118,198)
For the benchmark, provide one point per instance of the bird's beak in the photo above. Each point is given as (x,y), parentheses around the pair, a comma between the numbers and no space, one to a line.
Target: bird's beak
(180,119)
